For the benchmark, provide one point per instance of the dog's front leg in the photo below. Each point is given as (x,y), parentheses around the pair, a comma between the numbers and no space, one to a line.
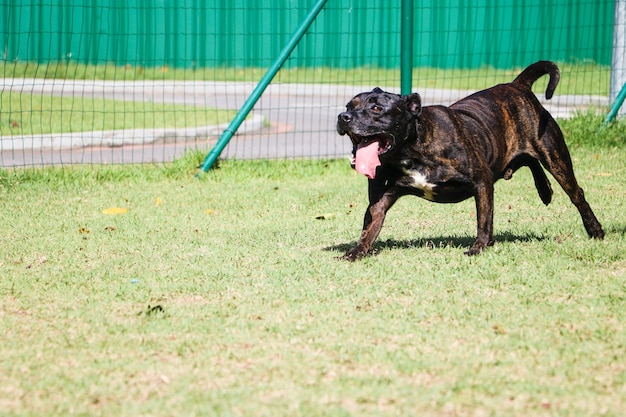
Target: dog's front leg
(484,217)
(381,199)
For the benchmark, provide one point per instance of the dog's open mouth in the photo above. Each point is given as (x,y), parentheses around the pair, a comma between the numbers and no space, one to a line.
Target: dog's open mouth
(367,154)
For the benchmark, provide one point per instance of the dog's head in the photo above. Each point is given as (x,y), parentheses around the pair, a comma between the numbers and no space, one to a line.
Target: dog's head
(378,123)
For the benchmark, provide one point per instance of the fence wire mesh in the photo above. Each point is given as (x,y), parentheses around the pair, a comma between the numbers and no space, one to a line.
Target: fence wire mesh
(108,82)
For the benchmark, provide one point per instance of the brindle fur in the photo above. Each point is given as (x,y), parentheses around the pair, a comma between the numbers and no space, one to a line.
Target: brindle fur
(460,151)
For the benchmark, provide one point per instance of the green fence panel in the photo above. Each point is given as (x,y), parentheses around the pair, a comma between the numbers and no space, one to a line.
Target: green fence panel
(349,33)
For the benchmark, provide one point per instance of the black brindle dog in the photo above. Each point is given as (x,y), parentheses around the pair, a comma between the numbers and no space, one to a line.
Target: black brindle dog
(449,154)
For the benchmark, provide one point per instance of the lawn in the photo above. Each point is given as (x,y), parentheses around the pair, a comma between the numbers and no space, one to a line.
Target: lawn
(144,290)
(576,78)
(32,114)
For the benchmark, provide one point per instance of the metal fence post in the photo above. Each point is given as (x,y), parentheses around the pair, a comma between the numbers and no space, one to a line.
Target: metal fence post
(618,62)
(260,87)
(406,48)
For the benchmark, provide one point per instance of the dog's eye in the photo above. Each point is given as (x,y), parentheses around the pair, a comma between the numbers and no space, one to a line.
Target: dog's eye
(377,108)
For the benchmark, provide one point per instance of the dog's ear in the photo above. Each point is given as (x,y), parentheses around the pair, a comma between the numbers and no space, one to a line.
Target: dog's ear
(414,103)
(377,90)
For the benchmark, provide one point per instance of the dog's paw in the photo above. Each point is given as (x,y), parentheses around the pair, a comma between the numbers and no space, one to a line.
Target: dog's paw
(354,254)
(478,247)
(596,232)
(473,251)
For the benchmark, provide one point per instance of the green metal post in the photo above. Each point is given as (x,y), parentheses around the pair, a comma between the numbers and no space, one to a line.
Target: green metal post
(406,48)
(619,100)
(260,87)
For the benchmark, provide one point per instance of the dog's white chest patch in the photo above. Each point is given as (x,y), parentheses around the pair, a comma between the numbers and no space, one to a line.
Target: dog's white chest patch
(420,181)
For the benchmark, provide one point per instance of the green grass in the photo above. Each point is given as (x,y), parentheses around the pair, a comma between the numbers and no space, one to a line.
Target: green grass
(588,129)
(581,78)
(26,114)
(223,296)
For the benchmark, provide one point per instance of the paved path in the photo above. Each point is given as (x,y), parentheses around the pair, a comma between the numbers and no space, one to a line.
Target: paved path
(289,121)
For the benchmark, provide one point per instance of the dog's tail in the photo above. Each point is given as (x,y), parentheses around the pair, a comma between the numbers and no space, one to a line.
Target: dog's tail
(536,71)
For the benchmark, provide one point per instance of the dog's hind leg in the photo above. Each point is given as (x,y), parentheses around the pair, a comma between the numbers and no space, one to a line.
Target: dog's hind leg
(556,159)
(541,180)
(577,197)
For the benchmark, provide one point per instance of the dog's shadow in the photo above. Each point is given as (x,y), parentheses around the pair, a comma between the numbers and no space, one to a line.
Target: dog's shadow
(457,241)
(436,242)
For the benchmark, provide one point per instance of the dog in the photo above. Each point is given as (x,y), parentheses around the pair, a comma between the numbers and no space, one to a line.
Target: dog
(449,154)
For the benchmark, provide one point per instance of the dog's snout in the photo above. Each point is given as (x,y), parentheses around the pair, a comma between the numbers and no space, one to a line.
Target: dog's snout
(345,117)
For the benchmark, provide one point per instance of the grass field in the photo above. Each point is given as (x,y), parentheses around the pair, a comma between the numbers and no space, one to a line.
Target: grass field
(146,291)
(581,78)
(31,114)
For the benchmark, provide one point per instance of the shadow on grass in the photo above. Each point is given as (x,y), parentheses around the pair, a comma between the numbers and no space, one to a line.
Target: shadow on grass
(461,242)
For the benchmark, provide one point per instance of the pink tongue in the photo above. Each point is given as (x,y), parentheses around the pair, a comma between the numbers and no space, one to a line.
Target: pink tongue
(366,159)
